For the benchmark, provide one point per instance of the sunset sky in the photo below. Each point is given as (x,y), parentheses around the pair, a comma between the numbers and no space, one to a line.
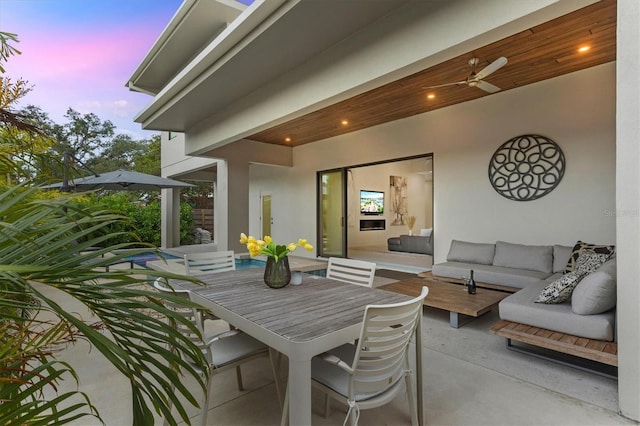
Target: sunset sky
(80,54)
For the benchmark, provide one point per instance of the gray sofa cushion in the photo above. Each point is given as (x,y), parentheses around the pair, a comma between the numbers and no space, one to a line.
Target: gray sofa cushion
(561,256)
(394,243)
(520,307)
(520,256)
(463,251)
(595,294)
(509,277)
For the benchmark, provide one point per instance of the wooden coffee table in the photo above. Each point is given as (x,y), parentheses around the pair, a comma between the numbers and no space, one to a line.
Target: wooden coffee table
(454,298)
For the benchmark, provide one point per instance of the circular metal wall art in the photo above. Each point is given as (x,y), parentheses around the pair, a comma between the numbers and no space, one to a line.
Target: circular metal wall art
(526,167)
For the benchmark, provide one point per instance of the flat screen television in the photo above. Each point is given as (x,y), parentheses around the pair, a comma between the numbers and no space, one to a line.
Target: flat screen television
(371,202)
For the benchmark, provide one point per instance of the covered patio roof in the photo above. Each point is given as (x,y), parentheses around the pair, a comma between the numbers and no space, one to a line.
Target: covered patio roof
(540,40)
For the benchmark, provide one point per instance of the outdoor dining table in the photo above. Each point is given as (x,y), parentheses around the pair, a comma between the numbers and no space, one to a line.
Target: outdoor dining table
(300,321)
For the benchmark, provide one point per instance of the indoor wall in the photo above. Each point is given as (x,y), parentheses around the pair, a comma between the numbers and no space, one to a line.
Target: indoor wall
(417,173)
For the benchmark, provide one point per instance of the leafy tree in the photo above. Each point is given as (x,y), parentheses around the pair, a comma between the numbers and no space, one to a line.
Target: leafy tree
(142,218)
(187,224)
(82,137)
(120,152)
(8,117)
(22,143)
(149,160)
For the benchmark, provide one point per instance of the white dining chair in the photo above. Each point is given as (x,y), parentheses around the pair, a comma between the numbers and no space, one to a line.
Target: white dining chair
(223,351)
(200,314)
(351,271)
(370,373)
(209,262)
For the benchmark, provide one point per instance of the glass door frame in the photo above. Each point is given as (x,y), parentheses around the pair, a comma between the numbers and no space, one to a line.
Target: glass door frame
(343,212)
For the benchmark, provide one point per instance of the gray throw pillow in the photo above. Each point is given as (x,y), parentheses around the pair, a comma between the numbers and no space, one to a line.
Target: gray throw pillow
(560,289)
(520,256)
(463,251)
(595,294)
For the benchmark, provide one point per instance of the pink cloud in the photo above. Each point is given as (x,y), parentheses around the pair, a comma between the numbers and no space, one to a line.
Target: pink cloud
(80,54)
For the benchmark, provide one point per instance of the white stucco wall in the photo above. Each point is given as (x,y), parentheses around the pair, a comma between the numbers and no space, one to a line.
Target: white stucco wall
(174,161)
(577,111)
(628,207)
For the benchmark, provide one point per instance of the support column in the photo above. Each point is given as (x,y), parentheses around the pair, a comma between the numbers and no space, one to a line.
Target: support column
(170,218)
(231,204)
(628,206)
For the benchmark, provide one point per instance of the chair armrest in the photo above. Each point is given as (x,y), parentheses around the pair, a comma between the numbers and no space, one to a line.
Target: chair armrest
(332,359)
(224,335)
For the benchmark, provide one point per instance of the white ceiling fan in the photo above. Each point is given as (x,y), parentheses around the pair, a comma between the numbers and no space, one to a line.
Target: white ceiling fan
(476,79)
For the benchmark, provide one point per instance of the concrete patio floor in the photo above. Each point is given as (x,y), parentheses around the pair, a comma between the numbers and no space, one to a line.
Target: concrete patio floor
(458,390)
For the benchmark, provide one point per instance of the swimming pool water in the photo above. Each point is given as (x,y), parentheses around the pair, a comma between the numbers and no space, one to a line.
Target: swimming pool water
(249,263)
(244,263)
(142,259)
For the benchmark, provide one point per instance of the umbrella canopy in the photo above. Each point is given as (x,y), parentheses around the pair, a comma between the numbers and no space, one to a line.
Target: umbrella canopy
(121,180)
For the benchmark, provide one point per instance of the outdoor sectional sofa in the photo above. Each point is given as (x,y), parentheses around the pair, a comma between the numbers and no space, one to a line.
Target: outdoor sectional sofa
(587,318)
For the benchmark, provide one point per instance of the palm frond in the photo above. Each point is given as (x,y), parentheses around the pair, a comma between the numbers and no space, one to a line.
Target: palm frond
(42,242)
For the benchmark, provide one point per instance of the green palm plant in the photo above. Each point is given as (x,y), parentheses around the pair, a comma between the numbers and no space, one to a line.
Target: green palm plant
(44,242)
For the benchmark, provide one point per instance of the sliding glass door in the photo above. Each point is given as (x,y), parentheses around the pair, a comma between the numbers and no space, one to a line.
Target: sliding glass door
(344,228)
(331,214)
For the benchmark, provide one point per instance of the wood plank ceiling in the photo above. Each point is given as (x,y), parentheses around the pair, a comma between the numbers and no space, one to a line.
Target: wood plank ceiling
(539,53)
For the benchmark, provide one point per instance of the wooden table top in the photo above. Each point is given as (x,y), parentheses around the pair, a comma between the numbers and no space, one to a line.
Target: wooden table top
(451,297)
(316,307)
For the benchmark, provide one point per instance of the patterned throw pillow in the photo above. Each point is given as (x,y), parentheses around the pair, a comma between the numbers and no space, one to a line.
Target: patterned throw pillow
(560,290)
(589,261)
(581,246)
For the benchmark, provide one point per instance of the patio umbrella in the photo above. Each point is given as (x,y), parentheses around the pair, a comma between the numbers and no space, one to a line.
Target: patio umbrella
(121,180)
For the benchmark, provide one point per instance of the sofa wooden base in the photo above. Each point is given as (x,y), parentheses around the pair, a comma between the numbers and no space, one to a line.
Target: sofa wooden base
(599,351)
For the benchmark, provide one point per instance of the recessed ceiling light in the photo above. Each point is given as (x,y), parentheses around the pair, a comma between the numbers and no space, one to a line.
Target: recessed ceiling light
(584,49)
(431,96)
(287,139)
(344,122)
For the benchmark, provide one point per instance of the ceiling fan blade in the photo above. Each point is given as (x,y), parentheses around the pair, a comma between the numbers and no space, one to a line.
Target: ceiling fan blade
(446,84)
(487,87)
(491,68)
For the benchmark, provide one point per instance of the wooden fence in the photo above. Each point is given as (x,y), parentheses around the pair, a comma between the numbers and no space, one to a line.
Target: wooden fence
(203,218)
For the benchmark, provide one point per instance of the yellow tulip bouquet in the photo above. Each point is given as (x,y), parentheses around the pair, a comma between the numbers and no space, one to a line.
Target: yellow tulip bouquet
(269,248)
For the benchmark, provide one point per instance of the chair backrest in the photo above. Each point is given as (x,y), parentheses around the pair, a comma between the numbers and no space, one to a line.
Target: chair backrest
(209,262)
(381,357)
(161,285)
(351,271)
(191,328)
